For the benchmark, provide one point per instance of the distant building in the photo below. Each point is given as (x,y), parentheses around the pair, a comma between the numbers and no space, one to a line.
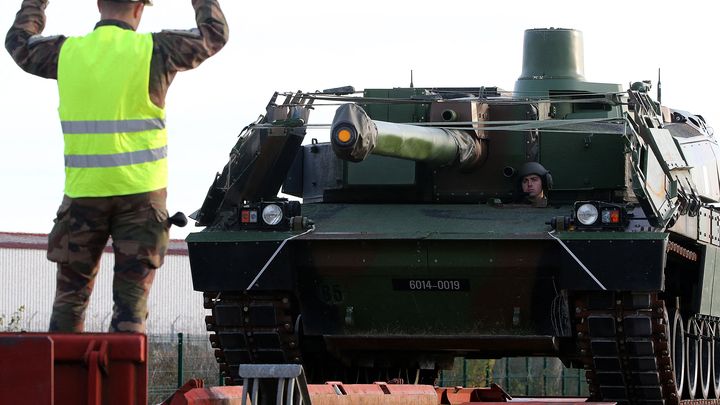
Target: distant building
(27,279)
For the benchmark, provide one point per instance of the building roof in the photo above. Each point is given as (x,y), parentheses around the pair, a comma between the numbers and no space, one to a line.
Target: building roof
(38,241)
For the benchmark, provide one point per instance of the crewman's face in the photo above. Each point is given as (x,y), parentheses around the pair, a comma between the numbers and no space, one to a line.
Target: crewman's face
(532,184)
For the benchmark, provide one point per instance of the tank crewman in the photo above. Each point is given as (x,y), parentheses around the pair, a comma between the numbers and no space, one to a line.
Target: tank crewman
(112,84)
(535,180)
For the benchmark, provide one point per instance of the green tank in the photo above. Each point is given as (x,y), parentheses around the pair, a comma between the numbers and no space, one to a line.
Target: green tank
(407,239)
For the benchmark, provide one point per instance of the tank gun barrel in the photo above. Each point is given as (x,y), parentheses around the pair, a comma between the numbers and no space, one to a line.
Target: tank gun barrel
(354,136)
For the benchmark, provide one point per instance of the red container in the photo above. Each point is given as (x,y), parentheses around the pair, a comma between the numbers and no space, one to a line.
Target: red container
(66,368)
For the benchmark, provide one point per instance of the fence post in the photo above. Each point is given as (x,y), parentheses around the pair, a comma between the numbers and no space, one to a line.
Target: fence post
(579,389)
(442,378)
(464,372)
(544,389)
(527,376)
(180,360)
(507,374)
(487,373)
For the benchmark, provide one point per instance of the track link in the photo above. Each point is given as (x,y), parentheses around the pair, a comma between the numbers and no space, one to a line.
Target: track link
(623,340)
(248,329)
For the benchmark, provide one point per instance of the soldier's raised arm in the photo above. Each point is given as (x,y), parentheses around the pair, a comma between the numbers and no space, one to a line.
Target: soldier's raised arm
(186,49)
(178,50)
(32,52)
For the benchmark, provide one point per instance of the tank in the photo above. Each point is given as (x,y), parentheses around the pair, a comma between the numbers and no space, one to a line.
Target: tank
(407,240)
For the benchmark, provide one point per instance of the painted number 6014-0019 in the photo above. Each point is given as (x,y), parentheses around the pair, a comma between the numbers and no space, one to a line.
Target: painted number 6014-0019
(433,284)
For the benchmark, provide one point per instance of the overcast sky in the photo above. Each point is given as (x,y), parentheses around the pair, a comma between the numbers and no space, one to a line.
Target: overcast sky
(311,45)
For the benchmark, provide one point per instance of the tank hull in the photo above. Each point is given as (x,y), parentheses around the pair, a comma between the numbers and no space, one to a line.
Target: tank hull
(440,281)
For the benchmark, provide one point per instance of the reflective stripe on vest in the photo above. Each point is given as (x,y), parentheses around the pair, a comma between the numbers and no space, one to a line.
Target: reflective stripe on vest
(115,137)
(110,127)
(118,159)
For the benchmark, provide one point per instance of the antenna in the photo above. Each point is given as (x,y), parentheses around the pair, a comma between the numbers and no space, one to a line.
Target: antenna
(411,79)
(659,92)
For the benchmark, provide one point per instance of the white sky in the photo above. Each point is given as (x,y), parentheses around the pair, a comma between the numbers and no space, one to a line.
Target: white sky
(311,45)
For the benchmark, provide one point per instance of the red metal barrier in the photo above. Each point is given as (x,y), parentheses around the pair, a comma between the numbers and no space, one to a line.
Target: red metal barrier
(459,395)
(194,393)
(26,370)
(331,393)
(496,395)
(77,369)
(101,368)
(337,393)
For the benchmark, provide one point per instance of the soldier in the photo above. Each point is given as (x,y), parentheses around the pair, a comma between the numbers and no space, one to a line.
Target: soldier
(112,84)
(535,180)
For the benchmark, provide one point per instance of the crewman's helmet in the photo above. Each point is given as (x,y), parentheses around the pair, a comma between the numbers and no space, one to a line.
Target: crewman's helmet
(536,168)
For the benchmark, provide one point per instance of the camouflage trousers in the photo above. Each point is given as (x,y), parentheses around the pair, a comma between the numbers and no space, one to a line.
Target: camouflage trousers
(139,230)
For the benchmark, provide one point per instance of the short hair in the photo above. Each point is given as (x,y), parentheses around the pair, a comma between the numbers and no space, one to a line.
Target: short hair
(117,7)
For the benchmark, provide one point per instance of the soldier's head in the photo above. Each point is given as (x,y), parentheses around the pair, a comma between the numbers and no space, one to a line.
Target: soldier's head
(128,11)
(534,180)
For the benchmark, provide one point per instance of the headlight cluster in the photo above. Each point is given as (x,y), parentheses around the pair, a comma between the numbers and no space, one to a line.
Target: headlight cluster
(268,214)
(597,214)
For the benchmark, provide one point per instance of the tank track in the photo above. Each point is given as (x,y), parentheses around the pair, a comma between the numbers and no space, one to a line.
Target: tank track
(264,329)
(623,341)
(249,329)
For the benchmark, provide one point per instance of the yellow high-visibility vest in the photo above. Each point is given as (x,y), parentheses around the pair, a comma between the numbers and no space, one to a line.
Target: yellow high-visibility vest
(115,137)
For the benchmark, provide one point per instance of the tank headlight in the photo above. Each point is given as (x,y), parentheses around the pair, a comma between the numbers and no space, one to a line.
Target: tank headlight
(587,214)
(272,214)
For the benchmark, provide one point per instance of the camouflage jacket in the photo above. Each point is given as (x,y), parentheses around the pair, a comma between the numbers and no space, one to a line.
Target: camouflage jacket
(173,51)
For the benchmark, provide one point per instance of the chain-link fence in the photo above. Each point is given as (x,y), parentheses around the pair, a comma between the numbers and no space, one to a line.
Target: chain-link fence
(518,376)
(174,359)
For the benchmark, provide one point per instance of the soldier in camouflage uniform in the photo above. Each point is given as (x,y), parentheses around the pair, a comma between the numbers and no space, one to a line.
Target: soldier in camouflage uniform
(137,222)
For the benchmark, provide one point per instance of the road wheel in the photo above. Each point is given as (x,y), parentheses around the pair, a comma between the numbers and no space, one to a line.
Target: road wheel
(715,336)
(677,349)
(692,349)
(705,359)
